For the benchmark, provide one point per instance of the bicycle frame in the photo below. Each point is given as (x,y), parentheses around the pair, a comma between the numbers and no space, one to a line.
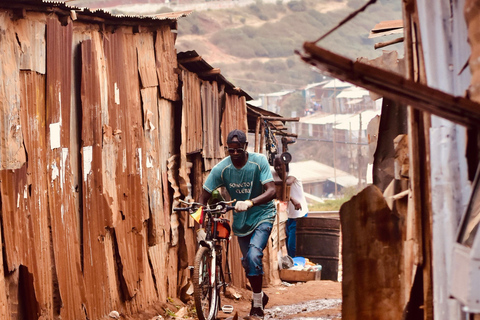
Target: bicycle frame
(209,275)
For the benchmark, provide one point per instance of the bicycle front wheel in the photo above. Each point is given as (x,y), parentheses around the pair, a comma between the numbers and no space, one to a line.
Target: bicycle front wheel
(205,293)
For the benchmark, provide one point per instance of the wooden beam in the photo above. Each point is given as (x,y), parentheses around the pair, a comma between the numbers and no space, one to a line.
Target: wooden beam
(191,59)
(420,96)
(213,72)
(387,43)
(270,118)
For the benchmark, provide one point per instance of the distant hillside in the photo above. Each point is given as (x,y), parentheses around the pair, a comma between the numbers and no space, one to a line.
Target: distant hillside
(254,45)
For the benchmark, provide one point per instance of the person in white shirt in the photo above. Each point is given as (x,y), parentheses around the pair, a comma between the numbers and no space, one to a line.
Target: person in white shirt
(297,206)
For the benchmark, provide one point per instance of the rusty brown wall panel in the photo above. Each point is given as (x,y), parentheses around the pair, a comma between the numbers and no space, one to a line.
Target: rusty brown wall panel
(234,115)
(166,113)
(96,214)
(192,137)
(213,151)
(32,104)
(4,301)
(152,167)
(60,196)
(166,61)
(31,37)
(158,258)
(172,269)
(12,155)
(146,60)
(125,117)
(147,293)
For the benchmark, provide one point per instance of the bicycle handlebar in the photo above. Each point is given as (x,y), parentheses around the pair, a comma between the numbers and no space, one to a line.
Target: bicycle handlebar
(218,207)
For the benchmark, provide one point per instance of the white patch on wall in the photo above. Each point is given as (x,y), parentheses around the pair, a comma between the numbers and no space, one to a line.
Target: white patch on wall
(55,135)
(117,94)
(62,167)
(87,161)
(54,170)
(140,167)
(149,161)
(18,200)
(124,160)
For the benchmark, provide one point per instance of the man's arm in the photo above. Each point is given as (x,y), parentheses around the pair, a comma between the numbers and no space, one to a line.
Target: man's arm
(269,194)
(204,197)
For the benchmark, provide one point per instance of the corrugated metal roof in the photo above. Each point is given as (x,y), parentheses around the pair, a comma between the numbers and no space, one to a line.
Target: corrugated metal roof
(193,62)
(313,171)
(97,15)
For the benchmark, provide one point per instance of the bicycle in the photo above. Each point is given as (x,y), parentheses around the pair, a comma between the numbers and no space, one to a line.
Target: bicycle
(208,276)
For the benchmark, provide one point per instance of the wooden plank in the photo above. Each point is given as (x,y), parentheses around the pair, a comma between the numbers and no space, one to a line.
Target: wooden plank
(456,109)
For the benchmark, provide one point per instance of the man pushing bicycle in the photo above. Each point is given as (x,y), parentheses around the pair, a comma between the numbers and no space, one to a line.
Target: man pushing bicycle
(248,179)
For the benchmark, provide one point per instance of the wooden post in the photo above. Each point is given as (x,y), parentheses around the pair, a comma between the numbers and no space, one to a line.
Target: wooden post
(257,134)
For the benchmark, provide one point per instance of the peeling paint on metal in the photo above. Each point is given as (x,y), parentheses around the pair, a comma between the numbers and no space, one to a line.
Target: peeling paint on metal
(54,171)
(55,134)
(87,161)
(149,162)
(63,167)
(139,164)
(117,94)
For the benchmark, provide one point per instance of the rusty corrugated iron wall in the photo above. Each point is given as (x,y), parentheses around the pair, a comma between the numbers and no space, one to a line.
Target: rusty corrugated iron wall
(87,128)
(93,145)
(234,115)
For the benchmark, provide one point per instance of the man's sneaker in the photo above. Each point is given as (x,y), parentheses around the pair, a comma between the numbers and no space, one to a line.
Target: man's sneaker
(256,313)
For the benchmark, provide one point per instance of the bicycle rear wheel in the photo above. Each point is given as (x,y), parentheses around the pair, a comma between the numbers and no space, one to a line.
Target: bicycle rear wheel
(205,293)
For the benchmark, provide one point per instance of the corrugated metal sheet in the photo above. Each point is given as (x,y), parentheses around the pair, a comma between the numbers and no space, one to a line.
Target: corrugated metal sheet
(166,60)
(195,63)
(31,37)
(86,216)
(213,150)
(153,170)
(234,115)
(146,60)
(97,213)
(64,220)
(12,154)
(192,135)
(125,115)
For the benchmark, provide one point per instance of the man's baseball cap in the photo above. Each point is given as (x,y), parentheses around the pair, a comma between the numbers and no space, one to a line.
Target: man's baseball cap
(241,137)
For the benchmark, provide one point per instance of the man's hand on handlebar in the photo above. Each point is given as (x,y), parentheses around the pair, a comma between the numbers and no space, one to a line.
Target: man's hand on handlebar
(243,205)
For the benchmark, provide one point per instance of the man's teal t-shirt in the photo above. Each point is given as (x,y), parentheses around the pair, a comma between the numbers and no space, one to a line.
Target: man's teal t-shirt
(243,184)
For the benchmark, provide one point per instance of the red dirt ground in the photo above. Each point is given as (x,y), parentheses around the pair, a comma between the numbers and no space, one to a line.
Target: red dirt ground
(288,295)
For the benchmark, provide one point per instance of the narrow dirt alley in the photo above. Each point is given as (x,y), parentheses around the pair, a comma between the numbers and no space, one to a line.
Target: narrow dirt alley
(320,300)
